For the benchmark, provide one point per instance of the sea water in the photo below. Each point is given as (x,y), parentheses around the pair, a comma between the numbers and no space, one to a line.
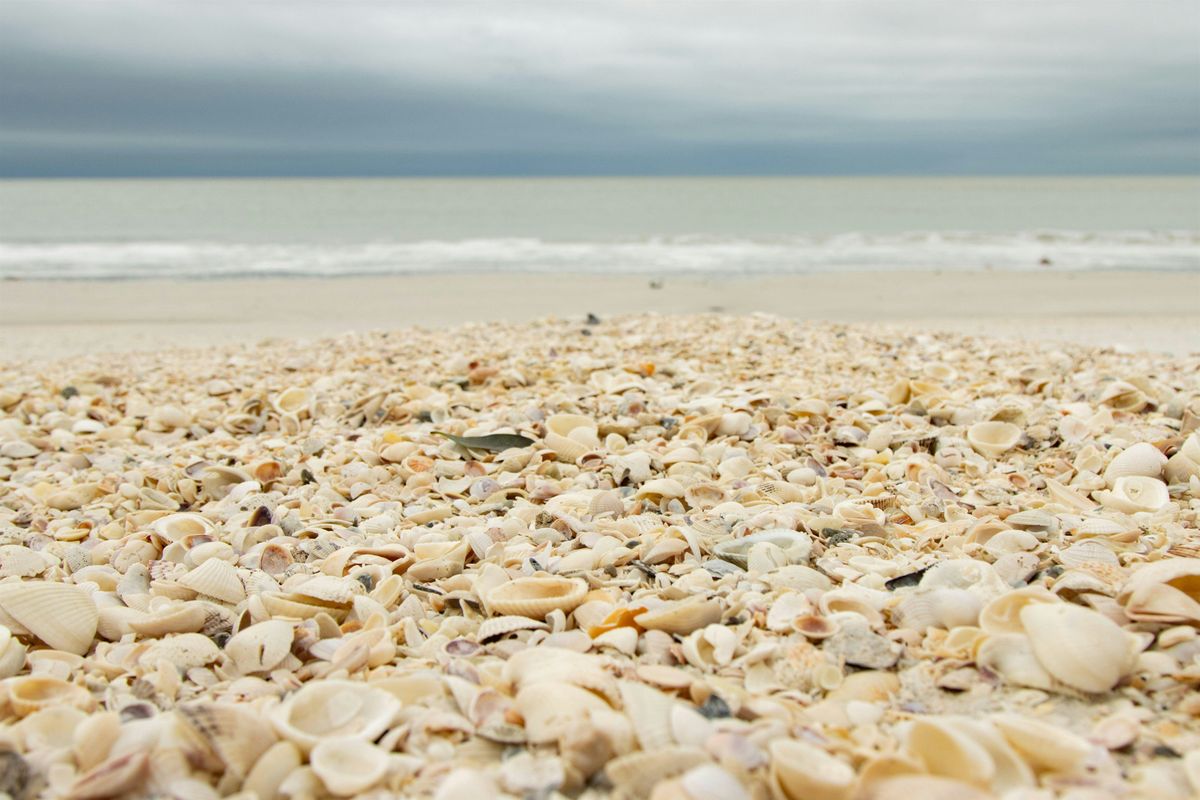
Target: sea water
(120,229)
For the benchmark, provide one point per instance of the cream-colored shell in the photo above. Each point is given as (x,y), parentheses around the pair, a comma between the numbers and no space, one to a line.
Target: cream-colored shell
(348,766)
(571,436)
(1134,493)
(1142,459)
(993,438)
(1166,591)
(260,647)
(1079,647)
(216,578)
(333,709)
(60,614)
(801,771)
(681,617)
(536,596)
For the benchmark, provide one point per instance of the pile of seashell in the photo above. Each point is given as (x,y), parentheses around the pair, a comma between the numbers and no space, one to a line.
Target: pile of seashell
(735,559)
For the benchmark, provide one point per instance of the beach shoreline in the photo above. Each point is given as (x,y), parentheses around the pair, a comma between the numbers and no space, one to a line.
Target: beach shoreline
(1153,311)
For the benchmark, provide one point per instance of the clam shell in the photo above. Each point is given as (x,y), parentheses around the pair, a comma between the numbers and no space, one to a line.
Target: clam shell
(293,400)
(797,546)
(801,771)
(1002,615)
(271,769)
(348,766)
(1045,747)
(949,751)
(333,709)
(174,527)
(571,436)
(1134,493)
(260,647)
(216,578)
(60,614)
(681,617)
(636,774)
(551,709)
(33,693)
(650,712)
(1011,656)
(1079,647)
(1142,459)
(993,438)
(223,736)
(1165,591)
(939,608)
(536,596)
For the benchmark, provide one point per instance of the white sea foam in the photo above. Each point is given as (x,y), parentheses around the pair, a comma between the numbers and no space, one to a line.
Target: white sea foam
(1032,250)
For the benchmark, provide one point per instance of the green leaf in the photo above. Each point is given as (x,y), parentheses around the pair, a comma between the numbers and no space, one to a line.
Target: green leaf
(493,443)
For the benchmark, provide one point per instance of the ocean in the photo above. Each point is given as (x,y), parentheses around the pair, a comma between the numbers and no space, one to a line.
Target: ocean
(197,229)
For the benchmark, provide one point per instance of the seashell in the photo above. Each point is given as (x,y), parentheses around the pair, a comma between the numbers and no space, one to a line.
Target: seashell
(500,626)
(681,617)
(606,503)
(218,579)
(948,750)
(636,774)
(650,712)
(268,773)
(993,438)
(1078,647)
(334,709)
(174,527)
(801,771)
(660,489)
(710,782)
(551,709)
(939,608)
(921,787)
(536,665)
(21,562)
(293,400)
(1142,459)
(1123,396)
(61,615)
(1089,551)
(12,654)
(114,778)
(1134,493)
(1165,591)
(1039,523)
(1011,656)
(709,647)
(1002,615)
(571,436)
(37,692)
(260,647)
(1185,464)
(348,766)
(1045,747)
(223,737)
(536,596)
(795,544)
(94,738)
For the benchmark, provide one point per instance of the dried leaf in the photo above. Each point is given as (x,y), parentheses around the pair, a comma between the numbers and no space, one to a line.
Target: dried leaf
(493,443)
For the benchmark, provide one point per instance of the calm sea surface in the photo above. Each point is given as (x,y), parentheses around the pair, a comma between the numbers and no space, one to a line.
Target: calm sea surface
(732,226)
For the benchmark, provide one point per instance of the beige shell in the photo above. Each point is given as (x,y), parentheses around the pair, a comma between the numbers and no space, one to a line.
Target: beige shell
(1044,746)
(801,771)
(347,765)
(795,544)
(216,578)
(536,596)
(1185,464)
(1134,493)
(333,709)
(636,774)
(1003,615)
(993,438)
(60,614)
(1142,459)
(293,400)
(1011,656)
(500,626)
(921,787)
(571,436)
(1078,647)
(537,665)
(650,712)
(939,608)
(681,617)
(174,527)
(223,737)
(552,708)
(12,654)
(36,692)
(271,769)
(949,751)
(608,502)
(260,647)
(1165,591)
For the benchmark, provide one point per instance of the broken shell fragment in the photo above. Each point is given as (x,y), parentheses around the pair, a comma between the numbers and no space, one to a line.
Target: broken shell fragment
(537,596)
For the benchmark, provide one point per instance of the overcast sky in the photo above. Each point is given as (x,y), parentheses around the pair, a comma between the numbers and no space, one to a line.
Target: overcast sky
(572,87)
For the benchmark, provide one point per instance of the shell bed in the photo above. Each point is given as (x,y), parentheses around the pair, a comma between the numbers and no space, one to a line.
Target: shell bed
(742,558)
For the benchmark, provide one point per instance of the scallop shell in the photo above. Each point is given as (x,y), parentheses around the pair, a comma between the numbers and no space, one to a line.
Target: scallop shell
(681,617)
(60,614)
(606,503)
(1079,647)
(571,436)
(801,771)
(536,596)
(348,766)
(333,709)
(1134,493)
(260,647)
(216,578)
(1142,459)
(636,774)
(993,438)
(500,626)
(797,546)
(224,737)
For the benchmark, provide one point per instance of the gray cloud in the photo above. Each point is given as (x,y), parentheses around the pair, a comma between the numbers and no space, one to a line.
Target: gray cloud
(143,88)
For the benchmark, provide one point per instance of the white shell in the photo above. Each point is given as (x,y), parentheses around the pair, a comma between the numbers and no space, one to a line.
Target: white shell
(1078,647)
(334,709)
(801,771)
(348,765)
(1142,459)
(993,438)
(1134,493)
(60,614)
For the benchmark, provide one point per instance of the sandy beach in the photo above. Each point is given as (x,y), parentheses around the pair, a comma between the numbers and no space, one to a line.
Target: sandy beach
(1145,310)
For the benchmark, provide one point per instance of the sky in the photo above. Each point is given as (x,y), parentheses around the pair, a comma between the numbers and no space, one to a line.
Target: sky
(215,88)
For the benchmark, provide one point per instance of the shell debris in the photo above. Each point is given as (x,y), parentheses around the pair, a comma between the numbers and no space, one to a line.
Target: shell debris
(715,558)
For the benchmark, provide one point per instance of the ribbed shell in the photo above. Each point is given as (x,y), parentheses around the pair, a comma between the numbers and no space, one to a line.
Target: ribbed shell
(216,578)
(60,614)
(537,596)
(681,617)
(1142,459)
